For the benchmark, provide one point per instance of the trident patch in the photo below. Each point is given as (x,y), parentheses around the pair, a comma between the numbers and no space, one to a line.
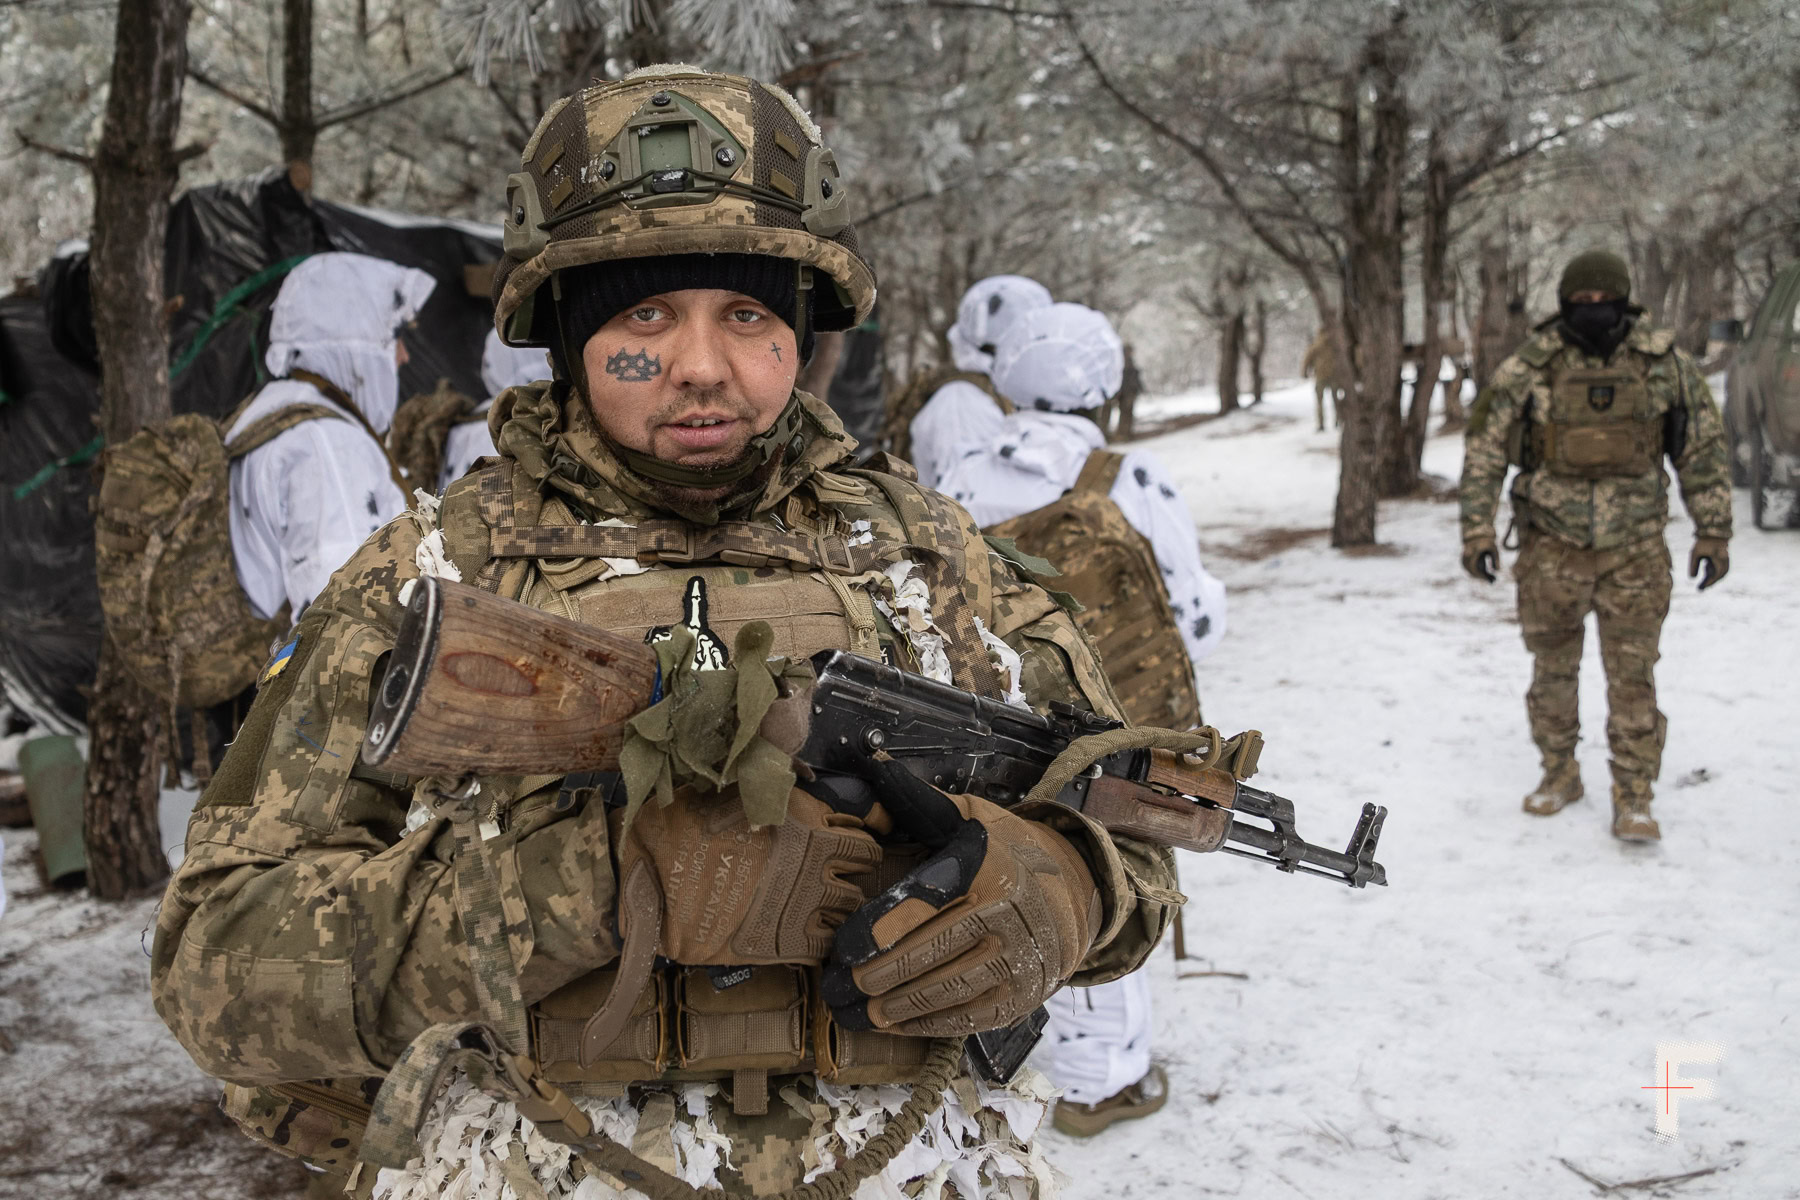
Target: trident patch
(710,654)
(1600,398)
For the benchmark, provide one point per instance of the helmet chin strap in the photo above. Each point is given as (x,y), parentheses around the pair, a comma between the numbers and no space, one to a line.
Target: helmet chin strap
(783,434)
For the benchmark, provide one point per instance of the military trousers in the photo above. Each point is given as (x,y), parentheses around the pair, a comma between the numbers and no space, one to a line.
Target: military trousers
(1627,589)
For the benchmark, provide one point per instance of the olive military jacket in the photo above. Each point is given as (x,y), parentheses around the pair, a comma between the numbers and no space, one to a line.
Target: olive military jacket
(1511,422)
(312,929)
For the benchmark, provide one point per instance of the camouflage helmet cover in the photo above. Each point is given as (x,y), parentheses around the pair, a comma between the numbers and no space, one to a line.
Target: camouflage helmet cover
(675,160)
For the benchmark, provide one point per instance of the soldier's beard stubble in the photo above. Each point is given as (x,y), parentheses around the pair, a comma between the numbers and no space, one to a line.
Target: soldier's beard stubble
(714,402)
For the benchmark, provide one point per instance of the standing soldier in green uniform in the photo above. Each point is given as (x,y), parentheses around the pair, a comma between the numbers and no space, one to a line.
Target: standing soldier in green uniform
(1587,410)
(672,239)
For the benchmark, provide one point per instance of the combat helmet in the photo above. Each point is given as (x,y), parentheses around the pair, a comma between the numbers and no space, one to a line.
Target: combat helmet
(677,160)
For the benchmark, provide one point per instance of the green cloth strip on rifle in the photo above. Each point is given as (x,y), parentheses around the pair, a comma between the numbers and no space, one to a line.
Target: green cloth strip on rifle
(707,729)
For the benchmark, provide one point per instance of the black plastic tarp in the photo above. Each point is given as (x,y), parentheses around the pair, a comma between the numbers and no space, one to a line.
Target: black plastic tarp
(49,610)
(229,245)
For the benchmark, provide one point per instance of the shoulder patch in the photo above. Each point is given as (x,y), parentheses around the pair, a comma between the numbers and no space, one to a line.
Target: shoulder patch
(279,662)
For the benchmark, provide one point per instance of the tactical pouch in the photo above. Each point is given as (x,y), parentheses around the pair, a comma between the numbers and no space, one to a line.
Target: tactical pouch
(759,1023)
(641,1050)
(850,1056)
(319,1122)
(1601,425)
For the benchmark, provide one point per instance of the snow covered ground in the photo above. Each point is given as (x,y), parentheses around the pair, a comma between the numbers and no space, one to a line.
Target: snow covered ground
(1486,1026)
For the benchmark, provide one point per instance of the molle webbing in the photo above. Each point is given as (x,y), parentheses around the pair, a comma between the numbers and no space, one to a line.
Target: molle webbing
(740,543)
(572,1128)
(267,428)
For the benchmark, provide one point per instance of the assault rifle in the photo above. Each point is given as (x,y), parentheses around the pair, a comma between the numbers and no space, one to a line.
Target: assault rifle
(481,685)
(478,684)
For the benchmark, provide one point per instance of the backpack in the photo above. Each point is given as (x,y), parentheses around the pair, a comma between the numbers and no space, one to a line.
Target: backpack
(422,424)
(896,432)
(162,552)
(1109,567)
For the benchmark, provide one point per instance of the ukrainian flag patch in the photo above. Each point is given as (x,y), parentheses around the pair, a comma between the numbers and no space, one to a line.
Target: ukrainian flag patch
(279,663)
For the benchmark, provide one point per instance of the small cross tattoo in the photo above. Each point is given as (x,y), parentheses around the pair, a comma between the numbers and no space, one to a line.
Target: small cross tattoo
(777,350)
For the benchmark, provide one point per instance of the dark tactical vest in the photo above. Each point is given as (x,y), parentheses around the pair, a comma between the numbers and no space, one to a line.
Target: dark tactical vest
(896,433)
(1598,422)
(1110,568)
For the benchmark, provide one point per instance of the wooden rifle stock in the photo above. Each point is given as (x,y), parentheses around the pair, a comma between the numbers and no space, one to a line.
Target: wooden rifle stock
(481,684)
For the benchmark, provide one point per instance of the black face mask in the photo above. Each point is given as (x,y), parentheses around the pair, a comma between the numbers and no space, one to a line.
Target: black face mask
(1596,328)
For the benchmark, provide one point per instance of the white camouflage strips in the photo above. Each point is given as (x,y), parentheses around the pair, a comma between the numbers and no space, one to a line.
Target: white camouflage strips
(979,1143)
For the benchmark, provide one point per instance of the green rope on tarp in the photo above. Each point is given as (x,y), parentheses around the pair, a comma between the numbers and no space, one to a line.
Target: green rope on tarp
(49,469)
(227,308)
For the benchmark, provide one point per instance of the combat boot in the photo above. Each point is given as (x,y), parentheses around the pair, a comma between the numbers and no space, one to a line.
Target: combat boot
(1560,787)
(1140,1099)
(1632,821)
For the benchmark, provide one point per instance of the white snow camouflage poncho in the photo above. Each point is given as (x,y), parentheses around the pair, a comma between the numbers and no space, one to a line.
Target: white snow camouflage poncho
(959,413)
(305,500)
(502,366)
(1055,362)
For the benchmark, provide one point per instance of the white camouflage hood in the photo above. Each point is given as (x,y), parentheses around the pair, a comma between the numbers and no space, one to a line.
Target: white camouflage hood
(336,316)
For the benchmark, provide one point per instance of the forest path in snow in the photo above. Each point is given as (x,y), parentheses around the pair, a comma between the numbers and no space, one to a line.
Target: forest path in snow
(1489,1024)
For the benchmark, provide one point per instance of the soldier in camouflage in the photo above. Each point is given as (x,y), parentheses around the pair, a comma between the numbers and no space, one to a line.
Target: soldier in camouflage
(672,239)
(1587,410)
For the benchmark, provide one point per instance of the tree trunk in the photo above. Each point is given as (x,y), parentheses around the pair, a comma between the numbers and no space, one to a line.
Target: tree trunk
(1372,455)
(1256,342)
(1434,253)
(124,776)
(1231,343)
(299,128)
(135,170)
(1458,348)
(1502,312)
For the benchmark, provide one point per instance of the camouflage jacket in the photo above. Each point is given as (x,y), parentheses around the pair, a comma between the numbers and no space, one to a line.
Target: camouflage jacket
(312,930)
(1508,424)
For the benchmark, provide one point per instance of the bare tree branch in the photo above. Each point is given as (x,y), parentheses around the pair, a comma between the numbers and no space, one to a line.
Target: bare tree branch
(66,155)
(511,110)
(212,85)
(357,111)
(1201,154)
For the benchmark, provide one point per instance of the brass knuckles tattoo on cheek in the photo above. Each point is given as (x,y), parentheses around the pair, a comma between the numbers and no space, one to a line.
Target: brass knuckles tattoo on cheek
(633,368)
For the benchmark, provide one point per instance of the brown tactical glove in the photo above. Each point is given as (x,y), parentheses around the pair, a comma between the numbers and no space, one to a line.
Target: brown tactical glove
(732,894)
(1480,558)
(1714,553)
(975,937)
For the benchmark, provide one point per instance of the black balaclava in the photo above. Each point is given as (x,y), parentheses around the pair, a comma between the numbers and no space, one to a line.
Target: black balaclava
(1597,328)
(591,295)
